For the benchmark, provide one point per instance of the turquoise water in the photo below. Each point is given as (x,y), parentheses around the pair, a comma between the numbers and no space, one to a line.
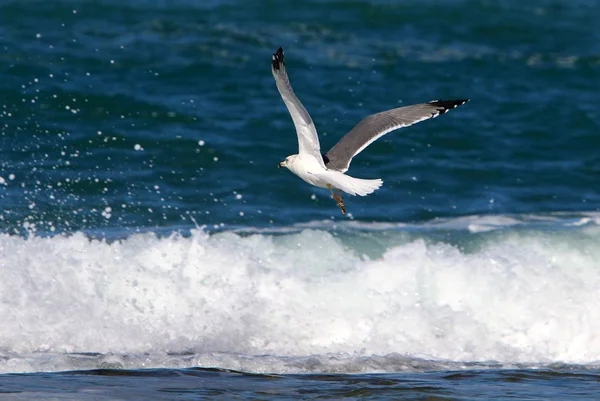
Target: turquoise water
(145,225)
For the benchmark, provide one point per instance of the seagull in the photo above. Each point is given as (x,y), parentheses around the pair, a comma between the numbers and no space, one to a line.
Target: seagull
(328,170)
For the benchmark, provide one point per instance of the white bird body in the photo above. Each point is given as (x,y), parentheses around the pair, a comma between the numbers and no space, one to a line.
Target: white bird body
(314,172)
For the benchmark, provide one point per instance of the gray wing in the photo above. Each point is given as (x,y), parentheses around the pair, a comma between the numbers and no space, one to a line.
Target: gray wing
(377,125)
(308,140)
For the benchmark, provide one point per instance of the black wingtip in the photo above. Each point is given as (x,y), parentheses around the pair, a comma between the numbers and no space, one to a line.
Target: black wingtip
(278,59)
(445,105)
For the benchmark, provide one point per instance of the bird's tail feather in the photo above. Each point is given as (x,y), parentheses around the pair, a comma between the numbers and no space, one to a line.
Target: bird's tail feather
(358,186)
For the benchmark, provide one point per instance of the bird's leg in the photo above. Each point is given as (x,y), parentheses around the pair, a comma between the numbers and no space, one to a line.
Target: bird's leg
(337,198)
(340,201)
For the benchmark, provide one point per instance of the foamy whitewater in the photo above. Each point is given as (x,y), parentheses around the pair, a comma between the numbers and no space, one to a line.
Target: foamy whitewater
(348,298)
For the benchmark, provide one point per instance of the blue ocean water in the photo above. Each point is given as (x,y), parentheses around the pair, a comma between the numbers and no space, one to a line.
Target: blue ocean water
(146,231)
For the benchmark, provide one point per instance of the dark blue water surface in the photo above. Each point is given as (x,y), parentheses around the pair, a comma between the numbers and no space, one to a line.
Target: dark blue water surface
(225,385)
(144,223)
(86,84)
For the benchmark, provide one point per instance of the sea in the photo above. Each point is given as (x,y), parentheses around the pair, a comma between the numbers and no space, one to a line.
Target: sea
(150,248)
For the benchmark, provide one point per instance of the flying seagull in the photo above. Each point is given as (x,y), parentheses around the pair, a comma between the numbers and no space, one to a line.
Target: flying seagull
(327,171)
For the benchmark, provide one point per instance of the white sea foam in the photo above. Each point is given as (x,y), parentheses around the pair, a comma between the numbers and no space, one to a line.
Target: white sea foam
(298,302)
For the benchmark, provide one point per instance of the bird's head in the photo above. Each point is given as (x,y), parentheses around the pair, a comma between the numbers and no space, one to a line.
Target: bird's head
(288,162)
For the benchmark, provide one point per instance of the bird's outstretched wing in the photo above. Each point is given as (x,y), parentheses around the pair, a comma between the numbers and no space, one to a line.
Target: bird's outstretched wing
(377,125)
(308,141)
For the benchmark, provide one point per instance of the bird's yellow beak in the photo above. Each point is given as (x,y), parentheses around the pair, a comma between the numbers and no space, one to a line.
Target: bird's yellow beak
(282,164)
